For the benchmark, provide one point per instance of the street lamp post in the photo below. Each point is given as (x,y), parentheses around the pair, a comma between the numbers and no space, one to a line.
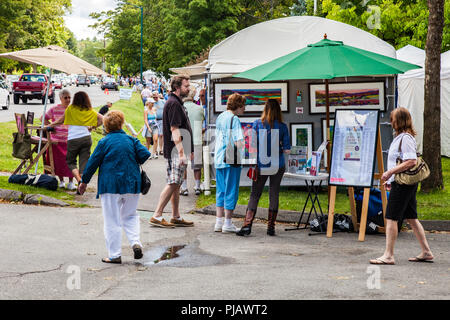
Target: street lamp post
(142,28)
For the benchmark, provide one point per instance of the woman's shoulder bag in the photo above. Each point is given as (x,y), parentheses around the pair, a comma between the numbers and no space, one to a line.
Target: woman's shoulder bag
(414,175)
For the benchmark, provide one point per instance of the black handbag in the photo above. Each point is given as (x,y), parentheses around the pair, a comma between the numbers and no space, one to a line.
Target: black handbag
(232,156)
(145,182)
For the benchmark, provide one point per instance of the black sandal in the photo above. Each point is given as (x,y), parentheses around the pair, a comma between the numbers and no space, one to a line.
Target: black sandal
(137,251)
(115,260)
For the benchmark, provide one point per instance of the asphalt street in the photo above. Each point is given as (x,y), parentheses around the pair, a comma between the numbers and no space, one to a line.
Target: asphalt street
(97,96)
(55,253)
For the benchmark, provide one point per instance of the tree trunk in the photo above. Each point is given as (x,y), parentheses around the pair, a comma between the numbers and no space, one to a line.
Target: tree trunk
(432,106)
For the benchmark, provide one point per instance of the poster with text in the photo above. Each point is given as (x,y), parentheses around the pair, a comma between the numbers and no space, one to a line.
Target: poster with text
(353,149)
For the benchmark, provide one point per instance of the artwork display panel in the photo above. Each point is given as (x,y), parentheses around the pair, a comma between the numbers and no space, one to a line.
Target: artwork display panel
(302,136)
(256,95)
(363,95)
(353,149)
(249,151)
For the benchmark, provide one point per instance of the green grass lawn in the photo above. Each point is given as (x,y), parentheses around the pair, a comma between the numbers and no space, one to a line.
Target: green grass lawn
(432,206)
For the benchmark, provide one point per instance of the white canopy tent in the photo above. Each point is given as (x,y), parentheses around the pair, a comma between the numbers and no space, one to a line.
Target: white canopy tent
(411,93)
(268,40)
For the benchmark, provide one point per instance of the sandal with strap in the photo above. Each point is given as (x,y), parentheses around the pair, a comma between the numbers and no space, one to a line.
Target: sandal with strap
(381,261)
(115,260)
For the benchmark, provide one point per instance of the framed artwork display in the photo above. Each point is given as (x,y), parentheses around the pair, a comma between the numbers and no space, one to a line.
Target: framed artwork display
(256,95)
(302,136)
(324,137)
(349,95)
(249,151)
(354,146)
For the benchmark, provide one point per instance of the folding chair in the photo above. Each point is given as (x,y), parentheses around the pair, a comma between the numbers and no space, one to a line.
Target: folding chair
(22,127)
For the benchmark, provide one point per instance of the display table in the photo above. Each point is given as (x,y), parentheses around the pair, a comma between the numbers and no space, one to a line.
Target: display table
(313,192)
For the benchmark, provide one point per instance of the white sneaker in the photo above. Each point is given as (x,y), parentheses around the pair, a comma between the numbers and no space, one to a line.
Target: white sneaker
(62,185)
(71,186)
(218,227)
(155,156)
(230,229)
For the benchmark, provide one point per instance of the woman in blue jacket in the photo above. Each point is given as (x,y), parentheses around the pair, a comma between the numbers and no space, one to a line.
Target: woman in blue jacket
(118,157)
(273,141)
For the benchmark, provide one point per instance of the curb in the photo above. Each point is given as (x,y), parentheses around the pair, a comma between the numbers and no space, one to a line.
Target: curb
(293,216)
(35,199)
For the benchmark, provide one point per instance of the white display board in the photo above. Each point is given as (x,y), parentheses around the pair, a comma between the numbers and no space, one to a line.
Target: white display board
(125,94)
(354,148)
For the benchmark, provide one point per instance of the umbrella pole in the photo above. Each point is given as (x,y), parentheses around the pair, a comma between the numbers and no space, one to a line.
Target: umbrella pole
(327,102)
(43,118)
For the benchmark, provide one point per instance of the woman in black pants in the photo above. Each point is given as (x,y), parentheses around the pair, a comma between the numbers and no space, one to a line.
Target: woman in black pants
(402,202)
(273,141)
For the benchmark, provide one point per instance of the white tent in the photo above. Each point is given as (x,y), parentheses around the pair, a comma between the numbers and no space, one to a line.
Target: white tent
(411,93)
(268,40)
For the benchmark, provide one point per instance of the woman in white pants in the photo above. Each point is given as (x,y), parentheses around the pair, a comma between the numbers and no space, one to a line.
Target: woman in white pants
(118,157)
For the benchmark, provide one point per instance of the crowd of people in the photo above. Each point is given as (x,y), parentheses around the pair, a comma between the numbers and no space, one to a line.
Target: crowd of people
(174,128)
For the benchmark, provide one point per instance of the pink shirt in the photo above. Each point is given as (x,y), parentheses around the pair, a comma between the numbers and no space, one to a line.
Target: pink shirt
(61,131)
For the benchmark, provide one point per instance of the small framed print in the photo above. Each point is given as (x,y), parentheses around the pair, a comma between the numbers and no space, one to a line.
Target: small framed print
(302,136)
(324,137)
(249,152)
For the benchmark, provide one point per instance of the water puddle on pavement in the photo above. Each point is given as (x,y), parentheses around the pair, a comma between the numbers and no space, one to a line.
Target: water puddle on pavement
(170,253)
(181,255)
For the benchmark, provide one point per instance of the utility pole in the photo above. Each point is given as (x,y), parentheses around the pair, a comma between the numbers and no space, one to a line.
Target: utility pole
(142,30)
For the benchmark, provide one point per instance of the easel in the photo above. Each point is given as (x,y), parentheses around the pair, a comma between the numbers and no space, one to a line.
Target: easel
(365,203)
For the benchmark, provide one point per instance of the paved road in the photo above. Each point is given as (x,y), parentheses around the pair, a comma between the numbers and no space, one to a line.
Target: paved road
(45,251)
(97,96)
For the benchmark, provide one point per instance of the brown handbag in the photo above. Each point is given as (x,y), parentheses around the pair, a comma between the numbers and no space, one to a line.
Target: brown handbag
(414,175)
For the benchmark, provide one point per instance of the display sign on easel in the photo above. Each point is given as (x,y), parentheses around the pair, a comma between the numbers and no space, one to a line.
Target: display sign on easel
(353,148)
(356,145)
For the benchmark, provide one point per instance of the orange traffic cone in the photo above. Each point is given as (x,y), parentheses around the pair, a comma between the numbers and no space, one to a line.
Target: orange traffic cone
(106,91)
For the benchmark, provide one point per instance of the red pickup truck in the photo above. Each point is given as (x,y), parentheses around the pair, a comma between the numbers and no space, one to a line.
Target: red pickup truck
(32,86)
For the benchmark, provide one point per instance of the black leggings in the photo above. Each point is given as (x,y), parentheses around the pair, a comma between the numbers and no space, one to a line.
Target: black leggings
(274,190)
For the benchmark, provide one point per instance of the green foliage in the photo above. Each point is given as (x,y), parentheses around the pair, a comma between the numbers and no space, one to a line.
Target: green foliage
(30,24)
(397,22)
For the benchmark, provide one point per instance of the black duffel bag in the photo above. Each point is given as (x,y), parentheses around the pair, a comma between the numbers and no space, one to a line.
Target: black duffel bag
(41,181)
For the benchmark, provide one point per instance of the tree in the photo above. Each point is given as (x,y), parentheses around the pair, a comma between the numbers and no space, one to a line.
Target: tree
(30,24)
(432,107)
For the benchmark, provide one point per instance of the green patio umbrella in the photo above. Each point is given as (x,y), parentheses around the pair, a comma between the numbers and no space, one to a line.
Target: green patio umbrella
(326,59)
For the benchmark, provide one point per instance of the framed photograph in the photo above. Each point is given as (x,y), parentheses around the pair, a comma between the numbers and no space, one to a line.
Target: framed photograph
(249,152)
(324,137)
(353,151)
(302,136)
(355,95)
(256,95)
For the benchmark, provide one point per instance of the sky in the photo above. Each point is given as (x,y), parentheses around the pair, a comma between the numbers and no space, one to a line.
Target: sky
(79,20)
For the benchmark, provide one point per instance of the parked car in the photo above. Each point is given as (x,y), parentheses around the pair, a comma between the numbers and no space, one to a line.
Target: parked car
(83,81)
(57,83)
(4,94)
(10,78)
(110,83)
(93,79)
(32,86)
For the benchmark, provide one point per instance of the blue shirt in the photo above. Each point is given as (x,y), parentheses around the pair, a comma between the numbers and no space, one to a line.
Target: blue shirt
(223,122)
(118,157)
(265,135)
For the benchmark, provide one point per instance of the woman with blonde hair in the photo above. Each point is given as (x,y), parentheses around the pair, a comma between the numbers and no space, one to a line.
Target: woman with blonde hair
(267,130)
(118,157)
(402,202)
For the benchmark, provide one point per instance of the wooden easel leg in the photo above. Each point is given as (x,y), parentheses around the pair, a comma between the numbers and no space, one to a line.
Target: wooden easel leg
(365,206)
(331,211)
(351,196)
(381,171)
